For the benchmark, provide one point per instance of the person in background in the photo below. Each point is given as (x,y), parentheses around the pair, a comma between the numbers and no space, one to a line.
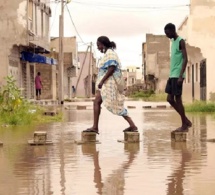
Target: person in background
(38,85)
(178,63)
(107,91)
(73,91)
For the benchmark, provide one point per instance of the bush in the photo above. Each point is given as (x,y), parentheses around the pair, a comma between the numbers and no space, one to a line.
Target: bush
(15,110)
(200,106)
(149,96)
(142,94)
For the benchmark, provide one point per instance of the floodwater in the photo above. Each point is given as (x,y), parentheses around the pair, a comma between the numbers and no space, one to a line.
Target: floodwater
(154,166)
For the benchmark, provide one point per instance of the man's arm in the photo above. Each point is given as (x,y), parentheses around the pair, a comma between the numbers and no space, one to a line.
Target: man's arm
(184,54)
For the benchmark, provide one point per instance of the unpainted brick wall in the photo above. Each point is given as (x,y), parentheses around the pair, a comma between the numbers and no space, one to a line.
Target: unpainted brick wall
(46,77)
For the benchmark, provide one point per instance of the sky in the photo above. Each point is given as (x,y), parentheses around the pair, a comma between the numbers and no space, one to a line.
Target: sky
(125,22)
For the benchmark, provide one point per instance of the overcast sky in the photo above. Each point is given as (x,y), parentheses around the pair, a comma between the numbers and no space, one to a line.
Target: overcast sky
(125,22)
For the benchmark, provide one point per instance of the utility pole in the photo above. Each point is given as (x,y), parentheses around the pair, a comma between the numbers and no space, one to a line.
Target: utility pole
(61,56)
(89,73)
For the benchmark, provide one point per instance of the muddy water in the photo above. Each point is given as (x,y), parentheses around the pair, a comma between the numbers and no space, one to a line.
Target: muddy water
(154,166)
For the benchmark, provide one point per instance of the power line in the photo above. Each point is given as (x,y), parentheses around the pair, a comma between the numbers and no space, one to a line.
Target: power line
(128,6)
(74,24)
(55,12)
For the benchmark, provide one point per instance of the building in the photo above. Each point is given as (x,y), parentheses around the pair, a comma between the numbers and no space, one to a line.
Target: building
(133,75)
(156,56)
(24,40)
(70,62)
(199,33)
(85,84)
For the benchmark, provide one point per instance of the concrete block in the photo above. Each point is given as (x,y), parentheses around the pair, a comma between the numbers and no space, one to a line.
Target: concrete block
(88,137)
(179,136)
(50,113)
(161,106)
(131,137)
(131,107)
(81,107)
(40,136)
(147,107)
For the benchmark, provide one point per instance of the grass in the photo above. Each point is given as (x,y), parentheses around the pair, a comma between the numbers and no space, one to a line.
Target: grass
(27,114)
(149,96)
(200,106)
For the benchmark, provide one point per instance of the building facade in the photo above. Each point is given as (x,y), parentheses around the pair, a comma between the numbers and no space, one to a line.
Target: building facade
(86,80)
(24,41)
(199,33)
(70,63)
(156,56)
(133,75)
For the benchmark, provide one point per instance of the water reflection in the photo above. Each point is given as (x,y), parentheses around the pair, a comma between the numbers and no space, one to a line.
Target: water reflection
(155,165)
(176,179)
(114,184)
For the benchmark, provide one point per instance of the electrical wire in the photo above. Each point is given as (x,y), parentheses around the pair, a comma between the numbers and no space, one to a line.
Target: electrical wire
(129,6)
(74,24)
(55,13)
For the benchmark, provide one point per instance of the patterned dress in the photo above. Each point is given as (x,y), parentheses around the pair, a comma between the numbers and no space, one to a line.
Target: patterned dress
(112,99)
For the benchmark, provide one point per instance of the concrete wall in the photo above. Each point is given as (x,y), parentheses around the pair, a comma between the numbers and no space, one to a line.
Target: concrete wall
(70,62)
(70,46)
(38,23)
(13,22)
(157,59)
(48,77)
(200,33)
(84,83)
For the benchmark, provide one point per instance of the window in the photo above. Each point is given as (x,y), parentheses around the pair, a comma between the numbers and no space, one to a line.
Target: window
(30,10)
(197,72)
(42,23)
(188,74)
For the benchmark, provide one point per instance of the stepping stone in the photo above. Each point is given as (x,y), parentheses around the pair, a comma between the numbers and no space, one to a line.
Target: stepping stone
(50,113)
(40,138)
(88,138)
(130,137)
(147,107)
(179,136)
(131,107)
(81,107)
(161,106)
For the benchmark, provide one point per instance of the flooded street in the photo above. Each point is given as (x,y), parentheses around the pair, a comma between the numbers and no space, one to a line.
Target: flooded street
(154,166)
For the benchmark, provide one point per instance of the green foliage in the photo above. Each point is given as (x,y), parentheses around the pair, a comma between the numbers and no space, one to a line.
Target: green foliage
(200,106)
(149,96)
(142,94)
(15,110)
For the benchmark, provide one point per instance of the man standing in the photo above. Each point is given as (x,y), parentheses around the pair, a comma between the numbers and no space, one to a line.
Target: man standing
(73,91)
(38,86)
(178,63)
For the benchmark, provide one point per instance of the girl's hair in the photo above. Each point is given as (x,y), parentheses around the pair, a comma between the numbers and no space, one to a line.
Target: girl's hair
(106,42)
